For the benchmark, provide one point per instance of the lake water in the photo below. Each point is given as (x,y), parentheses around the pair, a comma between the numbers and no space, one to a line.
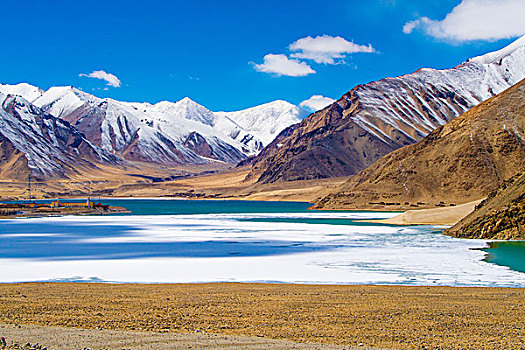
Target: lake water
(217,241)
(508,253)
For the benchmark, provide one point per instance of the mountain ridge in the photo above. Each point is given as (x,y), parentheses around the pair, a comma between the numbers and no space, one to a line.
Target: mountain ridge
(34,142)
(374,119)
(168,133)
(461,161)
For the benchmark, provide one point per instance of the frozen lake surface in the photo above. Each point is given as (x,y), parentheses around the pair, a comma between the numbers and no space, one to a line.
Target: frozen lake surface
(218,241)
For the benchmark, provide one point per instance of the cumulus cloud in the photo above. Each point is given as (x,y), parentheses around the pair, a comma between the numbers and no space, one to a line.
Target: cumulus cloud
(282,65)
(323,49)
(316,103)
(111,79)
(475,20)
(326,49)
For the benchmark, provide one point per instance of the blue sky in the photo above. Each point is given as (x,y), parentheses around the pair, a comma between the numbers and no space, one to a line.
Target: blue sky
(213,51)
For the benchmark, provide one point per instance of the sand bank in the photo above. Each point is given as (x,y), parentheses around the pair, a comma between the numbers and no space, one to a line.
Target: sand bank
(435,216)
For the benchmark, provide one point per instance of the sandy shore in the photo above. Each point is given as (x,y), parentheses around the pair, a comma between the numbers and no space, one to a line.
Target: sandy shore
(396,317)
(435,216)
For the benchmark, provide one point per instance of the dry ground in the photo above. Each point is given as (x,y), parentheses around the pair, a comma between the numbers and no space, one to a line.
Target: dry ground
(54,338)
(380,316)
(165,182)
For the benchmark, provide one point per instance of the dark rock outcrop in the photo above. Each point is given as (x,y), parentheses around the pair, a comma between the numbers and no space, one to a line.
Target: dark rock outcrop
(500,216)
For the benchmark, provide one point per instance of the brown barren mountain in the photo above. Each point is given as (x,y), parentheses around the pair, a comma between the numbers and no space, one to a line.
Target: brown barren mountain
(326,144)
(500,216)
(459,162)
(377,118)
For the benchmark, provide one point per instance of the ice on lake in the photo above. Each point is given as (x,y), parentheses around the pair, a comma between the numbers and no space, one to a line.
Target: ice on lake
(299,247)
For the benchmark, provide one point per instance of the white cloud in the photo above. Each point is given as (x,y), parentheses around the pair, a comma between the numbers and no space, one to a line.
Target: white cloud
(282,65)
(323,49)
(111,79)
(410,26)
(316,103)
(476,20)
(326,49)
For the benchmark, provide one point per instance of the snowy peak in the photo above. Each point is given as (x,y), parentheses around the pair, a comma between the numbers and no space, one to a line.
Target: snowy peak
(166,132)
(267,120)
(515,48)
(187,109)
(61,100)
(28,92)
(415,104)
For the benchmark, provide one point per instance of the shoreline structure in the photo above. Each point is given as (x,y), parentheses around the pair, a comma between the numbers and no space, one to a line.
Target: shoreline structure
(9,210)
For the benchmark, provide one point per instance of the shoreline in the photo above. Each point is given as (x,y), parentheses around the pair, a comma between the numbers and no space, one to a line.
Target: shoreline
(248,283)
(404,218)
(447,216)
(39,210)
(261,284)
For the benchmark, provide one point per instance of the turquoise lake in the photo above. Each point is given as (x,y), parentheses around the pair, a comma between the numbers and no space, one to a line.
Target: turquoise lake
(168,240)
(511,254)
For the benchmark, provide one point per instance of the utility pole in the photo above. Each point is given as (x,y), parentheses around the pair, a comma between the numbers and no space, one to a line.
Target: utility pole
(29,187)
(89,193)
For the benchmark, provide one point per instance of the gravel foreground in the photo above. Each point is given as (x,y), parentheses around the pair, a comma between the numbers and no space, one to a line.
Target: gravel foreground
(224,314)
(33,337)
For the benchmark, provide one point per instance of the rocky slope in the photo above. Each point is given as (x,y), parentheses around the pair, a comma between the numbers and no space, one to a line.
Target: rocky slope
(170,133)
(459,162)
(34,142)
(500,216)
(374,119)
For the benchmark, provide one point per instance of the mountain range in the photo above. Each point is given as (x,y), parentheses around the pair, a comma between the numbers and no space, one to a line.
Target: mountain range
(62,131)
(459,162)
(167,133)
(374,119)
(49,146)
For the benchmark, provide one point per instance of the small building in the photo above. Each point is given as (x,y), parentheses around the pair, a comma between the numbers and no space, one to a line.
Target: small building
(59,204)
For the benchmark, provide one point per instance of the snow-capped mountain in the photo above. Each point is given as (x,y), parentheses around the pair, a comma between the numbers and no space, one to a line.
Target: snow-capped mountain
(181,132)
(374,119)
(28,92)
(267,120)
(32,141)
(459,162)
